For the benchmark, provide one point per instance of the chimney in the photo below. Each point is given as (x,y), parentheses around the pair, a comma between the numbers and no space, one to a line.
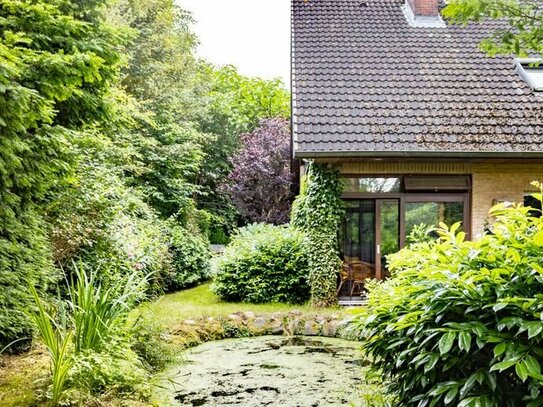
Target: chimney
(423,13)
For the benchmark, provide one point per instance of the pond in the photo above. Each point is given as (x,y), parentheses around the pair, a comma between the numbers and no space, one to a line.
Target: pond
(270,371)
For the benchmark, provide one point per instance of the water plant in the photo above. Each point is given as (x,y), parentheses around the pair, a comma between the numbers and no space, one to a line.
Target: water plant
(90,326)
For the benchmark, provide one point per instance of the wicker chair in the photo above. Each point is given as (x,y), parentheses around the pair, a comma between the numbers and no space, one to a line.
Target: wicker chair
(344,276)
(360,271)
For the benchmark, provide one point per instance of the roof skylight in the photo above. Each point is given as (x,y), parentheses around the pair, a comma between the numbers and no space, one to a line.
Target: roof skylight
(531,71)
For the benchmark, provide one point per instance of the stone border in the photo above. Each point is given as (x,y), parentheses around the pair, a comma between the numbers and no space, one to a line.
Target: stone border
(193,332)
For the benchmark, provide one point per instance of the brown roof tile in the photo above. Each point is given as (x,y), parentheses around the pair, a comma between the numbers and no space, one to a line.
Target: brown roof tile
(365,82)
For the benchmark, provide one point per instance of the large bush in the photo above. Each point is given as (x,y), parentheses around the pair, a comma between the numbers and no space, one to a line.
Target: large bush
(101,221)
(461,323)
(263,263)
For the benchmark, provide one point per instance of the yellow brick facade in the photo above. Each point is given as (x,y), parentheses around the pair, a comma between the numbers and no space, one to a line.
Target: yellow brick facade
(498,184)
(492,181)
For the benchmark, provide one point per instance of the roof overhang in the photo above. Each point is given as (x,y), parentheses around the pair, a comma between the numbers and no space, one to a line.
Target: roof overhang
(417,154)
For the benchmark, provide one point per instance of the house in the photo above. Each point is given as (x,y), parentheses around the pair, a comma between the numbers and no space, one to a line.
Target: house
(423,126)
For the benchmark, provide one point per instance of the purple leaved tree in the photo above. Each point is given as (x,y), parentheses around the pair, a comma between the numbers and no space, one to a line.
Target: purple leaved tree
(260,181)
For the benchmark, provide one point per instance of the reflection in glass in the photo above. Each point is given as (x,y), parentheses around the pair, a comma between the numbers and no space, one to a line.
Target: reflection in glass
(432,213)
(351,203)
(357,234)
(371,185)
(389,224)
(357,239)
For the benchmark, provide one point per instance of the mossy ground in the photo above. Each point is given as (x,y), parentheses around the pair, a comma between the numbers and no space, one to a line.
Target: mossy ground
(23,378)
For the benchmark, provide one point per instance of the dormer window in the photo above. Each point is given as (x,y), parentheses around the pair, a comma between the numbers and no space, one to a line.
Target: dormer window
(531,71)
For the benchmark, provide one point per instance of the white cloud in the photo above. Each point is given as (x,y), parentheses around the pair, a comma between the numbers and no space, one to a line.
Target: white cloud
(253,35)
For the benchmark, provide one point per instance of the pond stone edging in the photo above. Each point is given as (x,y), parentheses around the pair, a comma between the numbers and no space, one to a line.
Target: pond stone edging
(193,332)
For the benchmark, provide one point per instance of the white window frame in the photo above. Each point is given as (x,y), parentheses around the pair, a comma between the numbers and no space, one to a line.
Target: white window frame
(520,63)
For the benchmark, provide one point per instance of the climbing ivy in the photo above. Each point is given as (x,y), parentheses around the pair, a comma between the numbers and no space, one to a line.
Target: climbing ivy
(318,211)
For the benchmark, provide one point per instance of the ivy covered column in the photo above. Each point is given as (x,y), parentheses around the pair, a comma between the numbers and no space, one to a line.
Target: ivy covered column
(318,211)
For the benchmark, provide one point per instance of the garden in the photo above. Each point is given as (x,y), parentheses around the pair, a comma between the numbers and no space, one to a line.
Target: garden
(124,157)
(458,323)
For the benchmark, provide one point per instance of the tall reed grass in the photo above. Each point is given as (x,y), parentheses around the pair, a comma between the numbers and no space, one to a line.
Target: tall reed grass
(56,338)
(99,312)
(91,318)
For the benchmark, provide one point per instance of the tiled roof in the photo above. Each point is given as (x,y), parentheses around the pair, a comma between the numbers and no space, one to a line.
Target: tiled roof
(366,83)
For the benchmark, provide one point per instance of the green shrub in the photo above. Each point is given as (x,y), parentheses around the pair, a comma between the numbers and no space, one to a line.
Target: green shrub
(115,372)
(421,233)
(108,226)
(217,228)
(263,263)
(190,258)
(25,259)
(461,323)
(149,343)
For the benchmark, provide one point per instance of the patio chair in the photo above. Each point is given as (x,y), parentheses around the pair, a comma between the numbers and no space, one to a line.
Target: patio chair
(360,271)
(344,276)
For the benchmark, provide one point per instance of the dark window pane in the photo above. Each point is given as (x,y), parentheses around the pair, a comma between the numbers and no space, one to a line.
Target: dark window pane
(534,203)
(357,234)
(433,183)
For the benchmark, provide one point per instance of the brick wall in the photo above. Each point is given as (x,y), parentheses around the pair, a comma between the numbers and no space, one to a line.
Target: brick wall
(424,7)
(491,185)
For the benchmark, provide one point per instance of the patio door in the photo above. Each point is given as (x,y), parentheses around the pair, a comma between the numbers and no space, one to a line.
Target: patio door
(357,234)
(370,232)
(381,213)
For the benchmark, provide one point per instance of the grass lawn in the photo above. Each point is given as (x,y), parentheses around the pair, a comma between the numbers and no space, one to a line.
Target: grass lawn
(200,301)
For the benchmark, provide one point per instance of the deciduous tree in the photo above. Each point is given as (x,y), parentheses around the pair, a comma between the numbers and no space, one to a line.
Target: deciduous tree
(57,61)
(259,184)
(522,30)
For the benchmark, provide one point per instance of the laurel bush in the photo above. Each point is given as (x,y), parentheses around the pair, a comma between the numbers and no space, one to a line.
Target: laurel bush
(461,323)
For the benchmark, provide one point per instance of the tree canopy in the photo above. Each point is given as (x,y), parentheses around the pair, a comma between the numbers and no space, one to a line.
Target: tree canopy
(114,141)
(522,30)
(57,61)
(260,181)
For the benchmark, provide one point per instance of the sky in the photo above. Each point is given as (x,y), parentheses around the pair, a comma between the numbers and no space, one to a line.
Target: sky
(253,35)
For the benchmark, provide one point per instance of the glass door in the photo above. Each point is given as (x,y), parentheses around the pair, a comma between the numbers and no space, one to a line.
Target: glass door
(357,244)
(387,234)
(370,232)
(357,234)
